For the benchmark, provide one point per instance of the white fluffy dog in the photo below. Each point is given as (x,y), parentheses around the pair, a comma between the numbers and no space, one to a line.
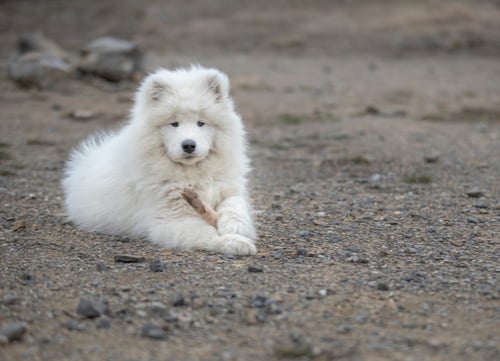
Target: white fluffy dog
(183,132)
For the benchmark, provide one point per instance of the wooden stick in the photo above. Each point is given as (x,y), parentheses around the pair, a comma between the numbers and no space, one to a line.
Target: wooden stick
(205,211)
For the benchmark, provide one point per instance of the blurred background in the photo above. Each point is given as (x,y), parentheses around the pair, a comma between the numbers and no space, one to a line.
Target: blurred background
(295,56)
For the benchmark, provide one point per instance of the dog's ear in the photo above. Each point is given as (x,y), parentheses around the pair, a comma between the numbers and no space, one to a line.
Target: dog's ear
(218,84)
(158,90)
(155,87)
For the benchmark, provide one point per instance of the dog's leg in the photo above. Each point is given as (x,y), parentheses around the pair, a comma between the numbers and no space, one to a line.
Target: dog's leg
(195,233)
(234,218)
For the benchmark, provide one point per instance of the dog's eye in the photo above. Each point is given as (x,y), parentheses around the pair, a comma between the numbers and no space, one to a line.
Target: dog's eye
(175,124)
(200,123)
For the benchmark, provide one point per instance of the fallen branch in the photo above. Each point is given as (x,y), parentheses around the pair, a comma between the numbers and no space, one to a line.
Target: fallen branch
(204,210)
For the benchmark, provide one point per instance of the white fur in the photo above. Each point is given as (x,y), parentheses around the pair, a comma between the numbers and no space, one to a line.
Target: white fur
(128,182)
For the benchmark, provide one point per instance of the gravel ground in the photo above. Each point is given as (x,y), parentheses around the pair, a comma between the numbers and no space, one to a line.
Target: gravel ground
(376,149)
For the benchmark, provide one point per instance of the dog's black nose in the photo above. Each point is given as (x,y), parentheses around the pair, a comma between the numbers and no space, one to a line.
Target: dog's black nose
(188,146)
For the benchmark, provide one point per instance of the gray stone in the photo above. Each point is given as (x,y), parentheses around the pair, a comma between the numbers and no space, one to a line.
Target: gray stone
(382,286)
(127,258)
(111,58)
(104,322)
(10,299)
(40,70)
(158,266)
(153,331)
(14,331)
(254,269)
(92,308)
(475,193)
(38,42)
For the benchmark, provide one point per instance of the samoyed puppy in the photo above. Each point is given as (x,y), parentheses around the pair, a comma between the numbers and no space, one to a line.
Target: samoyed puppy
(183,132)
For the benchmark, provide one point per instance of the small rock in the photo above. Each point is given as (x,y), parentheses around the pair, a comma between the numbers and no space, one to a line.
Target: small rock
(382,286)
(179,301)
(431,158)
(10,299)
(127,258)
(103,322)
(457,242)
(254,269)
(38,42)
(92,309)
(302,252)
(27,276)
(82,114)
(475,193)
(259,300)
(323,292)
(344,329)
(158,308)
(277,254)
(40,70)
(73,325)
(372,110)
(153,331)
(14,331)
(158,266)
(111,58)
(101,267)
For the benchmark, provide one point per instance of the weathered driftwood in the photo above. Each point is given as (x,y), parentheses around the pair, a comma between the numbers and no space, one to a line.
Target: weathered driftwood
(204,210)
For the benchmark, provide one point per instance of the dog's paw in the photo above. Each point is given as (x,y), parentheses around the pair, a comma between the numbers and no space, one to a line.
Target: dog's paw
(230,226)
(234,244)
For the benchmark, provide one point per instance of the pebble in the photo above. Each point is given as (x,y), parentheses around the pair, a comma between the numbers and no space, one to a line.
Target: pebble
(344,329)
(179,301)
(432,157)
(92,309)
(277,254)
(13,331)
(323,292)
(302,252)
(101,267)
(254,269)
(158,266)
(74,325)
(475,193)
(104,322)
(82,114)
(127,258)
(153,331)
(382,286)
(10,299)
(259,300)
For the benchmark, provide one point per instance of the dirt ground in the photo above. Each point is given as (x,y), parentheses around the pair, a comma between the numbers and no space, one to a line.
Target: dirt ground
(374,129)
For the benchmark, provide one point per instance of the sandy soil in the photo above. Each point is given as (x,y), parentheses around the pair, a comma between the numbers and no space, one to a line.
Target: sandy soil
(374,130)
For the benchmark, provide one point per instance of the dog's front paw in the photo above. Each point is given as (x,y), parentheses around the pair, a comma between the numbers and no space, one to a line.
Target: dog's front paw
(234,244)
(226,225)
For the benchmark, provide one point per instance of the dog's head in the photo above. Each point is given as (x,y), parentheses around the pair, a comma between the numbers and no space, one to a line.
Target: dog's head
(188,108)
